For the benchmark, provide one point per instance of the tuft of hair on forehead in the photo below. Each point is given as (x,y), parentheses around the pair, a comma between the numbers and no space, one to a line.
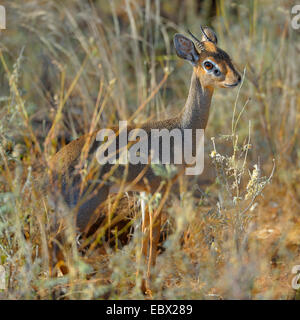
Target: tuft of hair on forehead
(210,47)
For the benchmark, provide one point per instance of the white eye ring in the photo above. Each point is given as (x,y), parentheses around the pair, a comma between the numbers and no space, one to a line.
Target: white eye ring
(213,68)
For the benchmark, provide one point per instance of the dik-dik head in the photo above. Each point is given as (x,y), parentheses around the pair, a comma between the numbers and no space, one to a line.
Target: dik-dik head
(212,65)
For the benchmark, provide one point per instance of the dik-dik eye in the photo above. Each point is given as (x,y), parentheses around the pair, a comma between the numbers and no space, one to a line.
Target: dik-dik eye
(208,65)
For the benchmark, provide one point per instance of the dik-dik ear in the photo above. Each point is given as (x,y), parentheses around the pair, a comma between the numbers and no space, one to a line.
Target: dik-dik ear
(208,34)
(185,49)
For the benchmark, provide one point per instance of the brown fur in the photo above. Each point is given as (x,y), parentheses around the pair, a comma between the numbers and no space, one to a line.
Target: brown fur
(194,115)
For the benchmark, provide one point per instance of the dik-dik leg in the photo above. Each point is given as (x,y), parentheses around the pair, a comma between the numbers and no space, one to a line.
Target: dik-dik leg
(151,235)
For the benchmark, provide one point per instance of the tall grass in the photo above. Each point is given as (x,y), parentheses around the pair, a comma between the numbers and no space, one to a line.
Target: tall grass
(68,68)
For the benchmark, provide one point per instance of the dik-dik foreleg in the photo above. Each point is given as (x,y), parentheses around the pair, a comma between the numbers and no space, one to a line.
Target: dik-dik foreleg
(151,235)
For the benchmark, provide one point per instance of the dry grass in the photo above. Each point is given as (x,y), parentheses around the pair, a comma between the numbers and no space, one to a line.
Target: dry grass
(67,69)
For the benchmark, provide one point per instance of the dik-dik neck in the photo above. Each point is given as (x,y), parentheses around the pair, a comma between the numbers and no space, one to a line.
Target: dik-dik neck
(196,111)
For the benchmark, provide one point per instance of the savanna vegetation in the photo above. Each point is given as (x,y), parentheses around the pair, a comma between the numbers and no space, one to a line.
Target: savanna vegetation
(71,67)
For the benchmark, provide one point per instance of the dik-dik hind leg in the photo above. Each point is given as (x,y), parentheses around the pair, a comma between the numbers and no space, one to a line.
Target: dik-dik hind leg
(88,208)
(86,216)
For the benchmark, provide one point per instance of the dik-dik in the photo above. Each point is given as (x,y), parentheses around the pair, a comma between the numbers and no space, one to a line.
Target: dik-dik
(84,193)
